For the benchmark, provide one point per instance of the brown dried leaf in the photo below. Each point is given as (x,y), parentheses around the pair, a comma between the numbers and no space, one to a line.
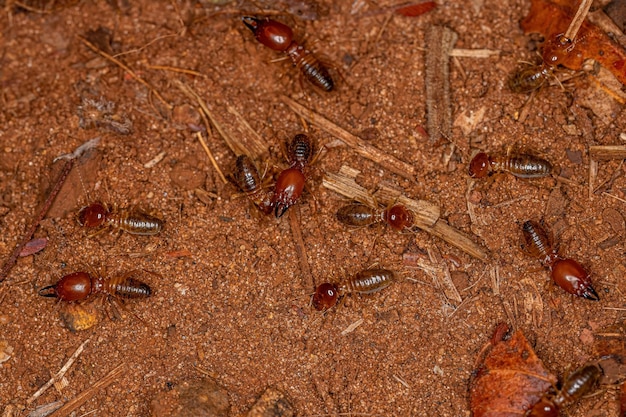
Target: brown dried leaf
(510,379)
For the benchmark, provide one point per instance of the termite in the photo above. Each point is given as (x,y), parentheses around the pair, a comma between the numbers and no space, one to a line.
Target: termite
(575,386)
(247,178)
(364,282)
(520,165)
(279,37)
(128,220)
(79,286)
(566,273)
(396,216)
(291,181)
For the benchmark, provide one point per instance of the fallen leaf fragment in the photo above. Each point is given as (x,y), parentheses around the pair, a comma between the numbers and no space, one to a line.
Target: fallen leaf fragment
(77,317)
(6,351)
(510,378)
(415,9)
(551,20)
(34,246)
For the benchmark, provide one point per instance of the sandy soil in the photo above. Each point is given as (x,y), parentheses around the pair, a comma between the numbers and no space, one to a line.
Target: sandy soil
(231,300)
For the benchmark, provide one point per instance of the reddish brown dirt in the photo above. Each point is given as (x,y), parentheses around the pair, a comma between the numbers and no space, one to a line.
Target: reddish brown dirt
(237,309)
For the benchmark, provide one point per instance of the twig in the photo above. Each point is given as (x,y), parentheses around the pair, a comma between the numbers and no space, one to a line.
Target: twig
(211,158)
(425,214)
(577,21)
(474,53)
(440,41)
(607,153)
(294,223)
(175,69)
(59,374)
(352,327)
(8,264)
(359,145)
(247,141)
(128,70)
(81,398)
(443,276)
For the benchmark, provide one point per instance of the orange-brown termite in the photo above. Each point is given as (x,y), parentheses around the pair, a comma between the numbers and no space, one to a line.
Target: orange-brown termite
(291,181)
(396,216)
(131,221)
(521,165)
(364,282)
(79,286)
(566,273)
(279,37)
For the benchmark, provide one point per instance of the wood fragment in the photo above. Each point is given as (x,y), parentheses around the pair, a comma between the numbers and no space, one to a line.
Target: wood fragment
(474,53)
(443,276)
(607,152)
(239,136)
(129,71)
(152,163)
(579,18)
(593,174)
(360,146)
(294,223)
(426,214)
(59,375)
(84,396)
(46,409)
(211,158)
(440,41)
(352,327)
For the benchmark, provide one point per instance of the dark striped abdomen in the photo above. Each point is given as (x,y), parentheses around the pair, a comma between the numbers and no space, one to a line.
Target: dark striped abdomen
(370,280)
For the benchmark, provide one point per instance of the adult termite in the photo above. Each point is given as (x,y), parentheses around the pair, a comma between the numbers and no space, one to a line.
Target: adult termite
(131,221)
(396,216)
(79,286)
(279,37)
(247,178)
(574,387)
(528,79)
(566,273)
(291,181)
(521,165)
(364,282)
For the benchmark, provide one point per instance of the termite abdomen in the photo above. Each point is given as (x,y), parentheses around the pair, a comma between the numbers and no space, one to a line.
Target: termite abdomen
(357,215)
(300,151)
(311,67)
(538,243)
(369,281)
(523,165)
(578,384)
(129,288)
(136,222)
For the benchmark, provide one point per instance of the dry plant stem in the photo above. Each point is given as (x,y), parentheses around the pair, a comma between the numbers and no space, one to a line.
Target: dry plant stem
(425,214)
(578,19)
(305,269)
(175,69)
(211,158)
(81,398)
(440,41)
(8,265)
(443,276)
(248,142)
(360,146)
(128,70)
(607,153)
(59,374)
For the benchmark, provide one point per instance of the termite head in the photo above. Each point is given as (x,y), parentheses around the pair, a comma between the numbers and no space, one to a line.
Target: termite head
(544,408)
(479,166)
(556,49)
(93,215)
(398,217)
(325,296)
(71,287)
(273,34)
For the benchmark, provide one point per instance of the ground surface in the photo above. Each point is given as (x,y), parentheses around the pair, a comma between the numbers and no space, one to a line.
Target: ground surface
(237,307)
